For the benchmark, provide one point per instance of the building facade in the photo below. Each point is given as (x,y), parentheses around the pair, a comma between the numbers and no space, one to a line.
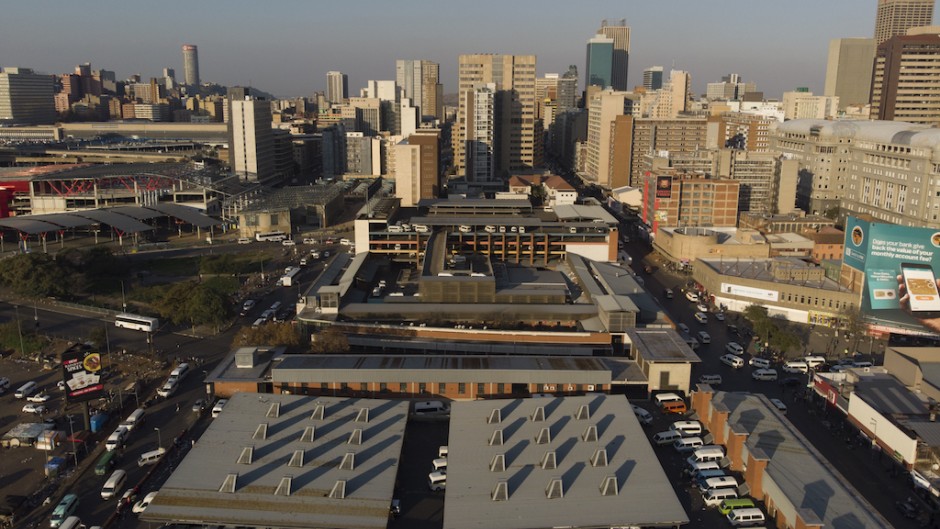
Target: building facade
(251,149)
(848,71)
(905,86)
(895,17)
(653,78)
(599,60)
(26,98)
(420,82)
(620,33)
(337,87)
(191,65)
(604,109)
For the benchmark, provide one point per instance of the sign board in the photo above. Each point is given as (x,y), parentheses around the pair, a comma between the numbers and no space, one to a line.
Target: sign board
(750,292)
(663,187)
(883,253)
(81,368)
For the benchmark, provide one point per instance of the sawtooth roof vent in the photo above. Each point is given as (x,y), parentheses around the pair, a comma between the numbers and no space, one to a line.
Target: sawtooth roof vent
(550,460)
(363,415)
(355,437)
(497,438)
(261,432)
(544,437)
(584,413)
(274,410)
(495,417)
(590,434)
(539,414)
(609,486)
(246,456)
(229,484)
(348,462)
(308,435)
(599,459)
(319,412)
(500,491)
(498,464)
(339,490)
(555,489)
(283,488)
(296,459)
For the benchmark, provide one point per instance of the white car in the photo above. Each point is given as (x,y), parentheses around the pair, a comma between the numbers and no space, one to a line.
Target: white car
(217,409)
(702,307)
(38,409)
(731,360)
(309,240)
(288,242)
(141,506)
(691,296)
(39,398)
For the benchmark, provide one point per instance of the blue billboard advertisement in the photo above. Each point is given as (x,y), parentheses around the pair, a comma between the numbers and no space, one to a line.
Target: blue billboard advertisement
(899,267)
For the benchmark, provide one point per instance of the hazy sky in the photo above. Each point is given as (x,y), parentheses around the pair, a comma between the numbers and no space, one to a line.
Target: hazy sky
(286,47)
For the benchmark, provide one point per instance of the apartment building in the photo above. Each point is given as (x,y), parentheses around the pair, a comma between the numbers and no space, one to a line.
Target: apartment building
(905,85)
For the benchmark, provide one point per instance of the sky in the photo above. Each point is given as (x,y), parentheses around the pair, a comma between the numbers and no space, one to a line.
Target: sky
(285,47)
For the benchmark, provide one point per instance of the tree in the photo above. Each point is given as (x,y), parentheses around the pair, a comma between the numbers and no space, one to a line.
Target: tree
(10,333)
(330,341)
(268,334)
(194,304)
(36,275)
(852,323)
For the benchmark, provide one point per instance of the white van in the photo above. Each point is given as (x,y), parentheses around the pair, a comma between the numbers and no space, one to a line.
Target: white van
(764,374)
(688,444)
(429,407)
(437,481)
(114,484)
(704,337)
(795,366)
(713,497)
(134,419)
(26,390)
(734,361)
(442,451)
(746,517)
(734,348)
(63,510)
(168,388)
(862,364)
(707,469)
(439,463)
(642,415)
(814,361)
(687,428)
(666,438)
(724,482)
(759,362)
(663,398)
(706,454)
(180,372)
(701,317)
(151,457)
(713,380)
(116,439)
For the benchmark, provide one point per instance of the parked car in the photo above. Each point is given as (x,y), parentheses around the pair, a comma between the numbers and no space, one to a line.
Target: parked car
(701,307)
(39,398)
(720,316)
(288,242)
(141,506)
(691,296)
(217,409)
(199,406)
(309,240)
(38,409)
(908,508)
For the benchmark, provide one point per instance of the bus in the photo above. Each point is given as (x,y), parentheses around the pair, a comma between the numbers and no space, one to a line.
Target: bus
(288,278)
(136,322)
(275,236)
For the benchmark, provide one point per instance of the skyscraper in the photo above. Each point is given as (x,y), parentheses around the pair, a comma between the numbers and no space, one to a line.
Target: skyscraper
(903,93)
(337,87)
(420,82)
(190,65)
(653,78)
(26,98)
(480,142)
(895,17)
(618,31)
(848,71)
(515,123)
(599,61)
(251,142)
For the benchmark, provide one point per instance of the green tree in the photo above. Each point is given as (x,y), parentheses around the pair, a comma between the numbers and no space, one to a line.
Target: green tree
(194,304)
(538,194)
(268,334)
(10,333)
(36,275)
(852,324)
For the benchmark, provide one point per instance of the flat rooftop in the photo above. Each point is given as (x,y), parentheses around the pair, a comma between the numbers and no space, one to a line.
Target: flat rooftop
(288,476)
(760,269)
(661,345)
(604,472)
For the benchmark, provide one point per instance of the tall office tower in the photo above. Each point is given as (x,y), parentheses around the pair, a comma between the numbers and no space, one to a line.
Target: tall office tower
(515,124)
(414,165)
(337,87)
(190,65)
(653,78)
(901,92)
(895,17)
(567,90)
(546,94)
(26,98)
(480,140)
(618,31)
(599,62)
(169,78)
(420,82)
(603,110)
(673,98)
(251,142)
(848,71)
(389,95)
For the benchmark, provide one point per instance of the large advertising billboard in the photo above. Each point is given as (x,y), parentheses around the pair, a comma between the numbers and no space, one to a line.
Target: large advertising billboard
(663,187)
(898,265)
(81,367)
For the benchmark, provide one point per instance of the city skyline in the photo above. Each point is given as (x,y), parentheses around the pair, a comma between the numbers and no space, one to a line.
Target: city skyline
(282,51)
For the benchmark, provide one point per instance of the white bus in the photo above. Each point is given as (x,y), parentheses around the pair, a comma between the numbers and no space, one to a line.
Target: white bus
(287,279)
(275,236)
(136,322)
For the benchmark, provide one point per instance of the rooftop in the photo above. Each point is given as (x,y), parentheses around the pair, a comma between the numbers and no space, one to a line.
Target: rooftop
(661,345)
(760,269)
(562,462)
(288,461)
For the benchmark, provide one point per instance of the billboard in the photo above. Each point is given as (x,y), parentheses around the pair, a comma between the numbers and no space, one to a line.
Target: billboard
(663,187)
(750,292)
(81,367)
(898,267)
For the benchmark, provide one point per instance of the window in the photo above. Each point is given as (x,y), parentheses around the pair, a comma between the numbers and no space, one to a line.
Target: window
(500,388)
(324,386)
(344,386)
(273,220)
(441,387)
(383,386)
(403,387)
(462,388)
(480,388)
(422,387)
(364,386)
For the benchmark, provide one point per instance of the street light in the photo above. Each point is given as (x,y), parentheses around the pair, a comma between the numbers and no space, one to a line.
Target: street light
(19,329)
(159,439)
(123,298)
(72,434)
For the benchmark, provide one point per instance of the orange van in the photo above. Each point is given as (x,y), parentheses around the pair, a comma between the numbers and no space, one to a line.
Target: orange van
(674,406)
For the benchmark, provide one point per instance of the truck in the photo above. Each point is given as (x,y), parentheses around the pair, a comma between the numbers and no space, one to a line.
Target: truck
(288,278)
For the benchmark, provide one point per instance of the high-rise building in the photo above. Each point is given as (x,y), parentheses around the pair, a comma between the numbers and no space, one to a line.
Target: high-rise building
(902,92)
(618,31)
(251,142)
(420,82)
(26,98)
(567,90)
(190,65)
(804,105)
(603,109)
(517,148)
(895,17)
(653,78)
(414,165)
(848,71)
(599,61)
(337,87)
(480,125)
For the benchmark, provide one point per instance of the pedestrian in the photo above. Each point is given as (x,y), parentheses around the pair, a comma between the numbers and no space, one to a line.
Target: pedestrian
(177,406)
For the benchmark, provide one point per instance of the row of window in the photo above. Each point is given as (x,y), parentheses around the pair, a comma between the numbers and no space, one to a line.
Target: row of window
(405,387)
